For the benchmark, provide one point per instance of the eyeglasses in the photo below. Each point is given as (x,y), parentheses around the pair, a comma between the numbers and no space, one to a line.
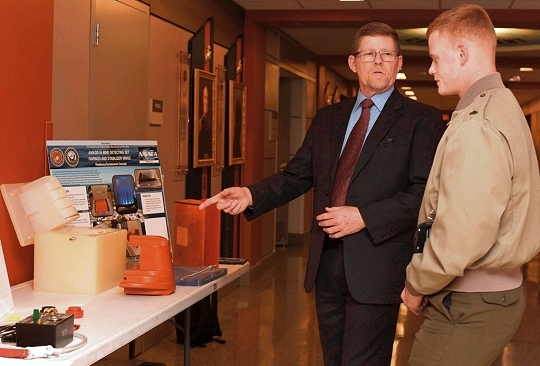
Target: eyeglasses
(369,56)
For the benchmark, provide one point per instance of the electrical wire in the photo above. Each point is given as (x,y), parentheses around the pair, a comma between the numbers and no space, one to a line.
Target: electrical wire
(82,343)
(42,351)
(7,333)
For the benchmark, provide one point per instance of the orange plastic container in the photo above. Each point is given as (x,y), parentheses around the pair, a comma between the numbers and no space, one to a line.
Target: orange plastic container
(154,274)
(197,234)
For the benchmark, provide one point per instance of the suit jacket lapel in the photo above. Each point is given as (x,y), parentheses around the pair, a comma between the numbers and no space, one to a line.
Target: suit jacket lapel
(339,127)
(389,114)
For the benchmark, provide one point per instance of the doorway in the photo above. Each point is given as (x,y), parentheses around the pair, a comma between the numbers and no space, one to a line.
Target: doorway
(291,218)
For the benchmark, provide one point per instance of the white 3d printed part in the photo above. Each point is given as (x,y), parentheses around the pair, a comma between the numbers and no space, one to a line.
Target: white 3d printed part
(38,206)
(79,260)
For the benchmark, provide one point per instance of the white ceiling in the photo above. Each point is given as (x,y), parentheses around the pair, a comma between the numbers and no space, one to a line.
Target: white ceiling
(332,41)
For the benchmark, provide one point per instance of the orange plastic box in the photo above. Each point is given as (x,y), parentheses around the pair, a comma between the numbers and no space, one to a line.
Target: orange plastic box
(197,234)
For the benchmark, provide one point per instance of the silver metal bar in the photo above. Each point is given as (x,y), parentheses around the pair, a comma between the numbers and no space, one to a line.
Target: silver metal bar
(205,269)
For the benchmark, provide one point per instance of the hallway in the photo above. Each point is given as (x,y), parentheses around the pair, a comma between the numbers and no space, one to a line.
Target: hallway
(273,322)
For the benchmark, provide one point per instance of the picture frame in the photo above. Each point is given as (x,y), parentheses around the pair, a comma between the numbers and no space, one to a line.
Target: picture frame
(221,104)
(237,122)
(204,118)
(184,81)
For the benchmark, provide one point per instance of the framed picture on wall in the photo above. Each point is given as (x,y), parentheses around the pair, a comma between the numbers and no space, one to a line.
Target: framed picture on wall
(204,116)
(184,80)
(237,122)
(221,103)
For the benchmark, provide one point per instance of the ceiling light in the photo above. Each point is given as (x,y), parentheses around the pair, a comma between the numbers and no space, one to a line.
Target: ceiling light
(503,31)
(351,0)
(413,97)
(406,88)
(526,69)
(409,92)
(515,78)
(401,76)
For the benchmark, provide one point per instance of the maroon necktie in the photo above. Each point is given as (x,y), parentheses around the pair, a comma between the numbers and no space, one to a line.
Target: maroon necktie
(349,156)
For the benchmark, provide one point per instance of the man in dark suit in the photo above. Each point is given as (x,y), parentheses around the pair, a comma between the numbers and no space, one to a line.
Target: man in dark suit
(361,245)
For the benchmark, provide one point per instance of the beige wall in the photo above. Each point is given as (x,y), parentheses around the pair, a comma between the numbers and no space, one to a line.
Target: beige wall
(191,14)
(71,55)
(533,109)
(166,43)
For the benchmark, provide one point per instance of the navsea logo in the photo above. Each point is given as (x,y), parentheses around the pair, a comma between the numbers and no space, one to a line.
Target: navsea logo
(148,155)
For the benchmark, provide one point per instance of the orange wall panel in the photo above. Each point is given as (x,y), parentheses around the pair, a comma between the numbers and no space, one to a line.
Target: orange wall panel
(26,30)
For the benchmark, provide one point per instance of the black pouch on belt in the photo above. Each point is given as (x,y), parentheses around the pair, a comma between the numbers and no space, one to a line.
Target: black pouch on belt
(421,235)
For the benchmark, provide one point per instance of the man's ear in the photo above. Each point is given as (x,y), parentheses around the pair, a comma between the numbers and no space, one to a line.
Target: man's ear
(352,63)
(463,53)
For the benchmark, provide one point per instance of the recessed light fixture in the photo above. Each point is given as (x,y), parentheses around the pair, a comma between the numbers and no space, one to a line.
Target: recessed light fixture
(409,92)
(401,76)
(413,97)
(515,78)
(406,88)
(526,69)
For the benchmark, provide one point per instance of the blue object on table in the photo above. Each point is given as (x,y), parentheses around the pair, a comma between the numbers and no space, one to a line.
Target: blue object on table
(197,276)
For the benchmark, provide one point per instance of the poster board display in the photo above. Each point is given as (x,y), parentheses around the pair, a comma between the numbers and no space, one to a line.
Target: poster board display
(116,184)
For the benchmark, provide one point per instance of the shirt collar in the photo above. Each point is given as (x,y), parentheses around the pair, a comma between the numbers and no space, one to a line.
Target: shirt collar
(379,100)
(490,81)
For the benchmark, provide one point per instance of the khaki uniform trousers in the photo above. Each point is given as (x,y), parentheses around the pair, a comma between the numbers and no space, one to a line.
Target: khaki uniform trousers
(467,329)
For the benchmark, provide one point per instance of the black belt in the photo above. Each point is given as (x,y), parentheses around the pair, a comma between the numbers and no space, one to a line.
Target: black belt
(332,243)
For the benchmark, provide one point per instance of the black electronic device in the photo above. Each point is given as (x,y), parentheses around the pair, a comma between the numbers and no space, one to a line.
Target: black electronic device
(45,329)
(422,234)
(423,231)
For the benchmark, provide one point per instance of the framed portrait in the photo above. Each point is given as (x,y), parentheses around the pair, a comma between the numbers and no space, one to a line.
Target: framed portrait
(220,119)
(237,122)
(184,80)
(204,118)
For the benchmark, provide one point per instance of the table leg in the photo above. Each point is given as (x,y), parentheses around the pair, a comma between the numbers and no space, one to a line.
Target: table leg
(187,335)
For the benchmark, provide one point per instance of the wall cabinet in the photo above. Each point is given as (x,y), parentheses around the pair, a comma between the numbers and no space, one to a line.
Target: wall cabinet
(100,69)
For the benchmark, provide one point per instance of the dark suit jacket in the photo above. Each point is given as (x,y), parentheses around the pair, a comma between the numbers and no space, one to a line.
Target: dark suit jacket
(387,187)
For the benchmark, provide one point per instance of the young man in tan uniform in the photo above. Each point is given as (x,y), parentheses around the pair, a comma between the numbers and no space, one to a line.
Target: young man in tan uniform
(482,200)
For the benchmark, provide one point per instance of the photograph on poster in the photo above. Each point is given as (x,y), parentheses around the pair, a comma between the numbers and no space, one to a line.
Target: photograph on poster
(237,122)
(204,131)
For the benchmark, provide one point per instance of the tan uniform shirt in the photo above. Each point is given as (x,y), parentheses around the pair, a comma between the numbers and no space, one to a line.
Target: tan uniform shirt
(485,189)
